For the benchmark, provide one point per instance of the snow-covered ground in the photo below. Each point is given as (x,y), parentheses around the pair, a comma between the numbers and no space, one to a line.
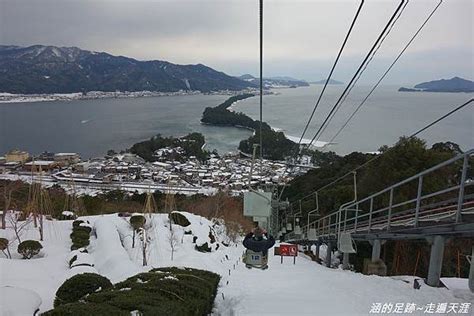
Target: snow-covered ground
(304,288)
(307,288)
(305,141)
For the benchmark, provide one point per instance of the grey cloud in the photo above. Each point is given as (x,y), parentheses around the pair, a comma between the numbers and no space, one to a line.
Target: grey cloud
(301,37)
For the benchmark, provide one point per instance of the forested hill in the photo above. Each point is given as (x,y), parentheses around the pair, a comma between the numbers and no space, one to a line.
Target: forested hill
(220,115)
(455,84)
(277,146)
(51,69)
(192,144)
(407,158)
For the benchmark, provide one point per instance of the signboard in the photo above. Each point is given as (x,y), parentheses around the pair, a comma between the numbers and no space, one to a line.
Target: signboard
(257,204)
(255,258)
(287,250)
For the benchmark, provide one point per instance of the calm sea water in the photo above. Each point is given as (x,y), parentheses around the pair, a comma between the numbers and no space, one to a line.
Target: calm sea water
(385,116)
(91,127)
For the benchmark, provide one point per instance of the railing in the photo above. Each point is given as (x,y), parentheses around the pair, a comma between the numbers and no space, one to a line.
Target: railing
(374,214)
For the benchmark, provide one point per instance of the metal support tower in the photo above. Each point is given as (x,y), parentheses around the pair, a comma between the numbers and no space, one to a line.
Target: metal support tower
(436,261)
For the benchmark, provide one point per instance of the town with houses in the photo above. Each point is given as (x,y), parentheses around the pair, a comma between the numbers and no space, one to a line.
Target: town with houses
(91,95)
(129,172)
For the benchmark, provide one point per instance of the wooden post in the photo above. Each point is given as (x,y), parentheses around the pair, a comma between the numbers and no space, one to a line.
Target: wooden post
(459,264)
(416,264)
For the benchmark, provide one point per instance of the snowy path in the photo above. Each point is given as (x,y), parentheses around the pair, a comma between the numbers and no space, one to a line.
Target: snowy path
(305,288)
(308,288)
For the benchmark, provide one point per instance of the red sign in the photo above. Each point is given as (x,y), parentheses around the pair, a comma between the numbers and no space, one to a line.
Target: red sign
(288,250)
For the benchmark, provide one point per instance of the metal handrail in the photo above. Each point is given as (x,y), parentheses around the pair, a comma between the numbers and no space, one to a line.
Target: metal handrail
(337,222)
(313,211)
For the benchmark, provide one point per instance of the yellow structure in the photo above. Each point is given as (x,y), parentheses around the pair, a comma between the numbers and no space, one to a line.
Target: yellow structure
(17,156)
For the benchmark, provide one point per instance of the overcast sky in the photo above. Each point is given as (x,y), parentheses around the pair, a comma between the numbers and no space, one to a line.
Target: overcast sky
(301,37)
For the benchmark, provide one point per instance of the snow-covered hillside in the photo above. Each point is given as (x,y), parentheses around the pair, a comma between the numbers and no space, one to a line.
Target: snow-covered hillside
(305,288)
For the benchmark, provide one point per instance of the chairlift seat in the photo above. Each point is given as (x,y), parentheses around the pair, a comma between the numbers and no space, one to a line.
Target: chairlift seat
(346,243)
(255,259)
(312,235)
(297,230)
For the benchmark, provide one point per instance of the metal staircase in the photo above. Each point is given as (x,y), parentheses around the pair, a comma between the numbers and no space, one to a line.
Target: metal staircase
(434,216)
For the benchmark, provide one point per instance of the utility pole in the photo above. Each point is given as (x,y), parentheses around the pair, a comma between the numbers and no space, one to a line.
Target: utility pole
(261,77)
(252,164)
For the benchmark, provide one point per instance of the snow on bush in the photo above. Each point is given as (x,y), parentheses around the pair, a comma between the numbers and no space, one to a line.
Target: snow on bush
(80,258)
(80,222)
(163,291)
(83,308)
(113,261)
(85,224)
(29,248)
(206,234)
(67,215)
(80,234)
(80,285)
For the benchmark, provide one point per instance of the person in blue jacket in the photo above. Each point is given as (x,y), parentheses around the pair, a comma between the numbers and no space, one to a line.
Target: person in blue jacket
(259,241)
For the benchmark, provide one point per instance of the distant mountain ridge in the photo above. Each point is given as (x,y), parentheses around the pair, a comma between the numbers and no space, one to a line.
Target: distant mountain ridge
(454,84)
(275,82)
(331,81)
(50,69)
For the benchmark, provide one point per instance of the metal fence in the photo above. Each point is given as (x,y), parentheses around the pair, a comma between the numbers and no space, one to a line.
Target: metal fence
(380,212)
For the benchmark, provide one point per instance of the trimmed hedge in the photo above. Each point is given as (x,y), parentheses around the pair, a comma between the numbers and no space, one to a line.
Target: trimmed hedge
(203,248)
(80,285)
(179,219)
(80,235)
(3,243)
(163,291)
(78,243)
(137,221)
(29,248)
(85,229)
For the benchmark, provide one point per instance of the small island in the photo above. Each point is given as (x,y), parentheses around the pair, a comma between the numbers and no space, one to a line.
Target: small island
(455,84)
